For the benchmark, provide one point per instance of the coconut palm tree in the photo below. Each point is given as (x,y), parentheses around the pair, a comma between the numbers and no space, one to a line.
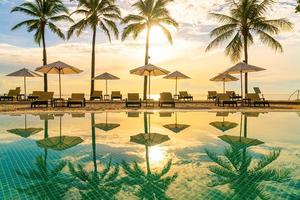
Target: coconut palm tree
(44,14)
(42,180)
(103,184)
(247,18)
(245,176)
(298,6)
(150,13)
(100,14)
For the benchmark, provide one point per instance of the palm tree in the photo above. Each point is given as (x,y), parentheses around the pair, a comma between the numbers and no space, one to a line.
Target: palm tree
(44,13)
(298,6)
(100,14)
(245,176)
(42,180)
(246,19)
(150,13)
(103,184)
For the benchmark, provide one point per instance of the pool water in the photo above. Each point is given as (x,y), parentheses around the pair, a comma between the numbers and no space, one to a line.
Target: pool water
(150,155)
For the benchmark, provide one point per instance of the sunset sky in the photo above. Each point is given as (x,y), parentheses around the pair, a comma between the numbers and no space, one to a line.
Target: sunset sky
(187,54)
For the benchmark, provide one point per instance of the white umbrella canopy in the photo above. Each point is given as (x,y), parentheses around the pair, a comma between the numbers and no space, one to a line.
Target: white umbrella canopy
(224,78)
(59,68)
(175,76)
(24,73)
(241,68)
(106,76)
(149,70)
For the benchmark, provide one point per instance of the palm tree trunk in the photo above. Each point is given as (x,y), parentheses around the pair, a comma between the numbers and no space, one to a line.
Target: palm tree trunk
(44,59)
(94,141)
(146,61)
(246,61)
(93,62)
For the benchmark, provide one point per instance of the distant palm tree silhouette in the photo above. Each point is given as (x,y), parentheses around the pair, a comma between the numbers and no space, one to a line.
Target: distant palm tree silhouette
(100,185)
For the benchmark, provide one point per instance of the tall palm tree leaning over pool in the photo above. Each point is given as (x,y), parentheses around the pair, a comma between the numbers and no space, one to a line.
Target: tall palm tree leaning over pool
(246,19)
(150,13)
(44,13)
(96,14)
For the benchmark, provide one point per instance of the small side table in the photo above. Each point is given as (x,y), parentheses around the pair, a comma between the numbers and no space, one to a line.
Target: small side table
(149,102)
(58,102)
(106,97)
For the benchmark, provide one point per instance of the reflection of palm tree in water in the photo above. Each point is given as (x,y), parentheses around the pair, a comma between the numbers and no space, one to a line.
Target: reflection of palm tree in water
(48,183)
(103,184)
(243,174)
(150,185)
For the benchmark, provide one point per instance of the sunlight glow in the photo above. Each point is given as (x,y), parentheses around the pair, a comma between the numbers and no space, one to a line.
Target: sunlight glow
(157,154)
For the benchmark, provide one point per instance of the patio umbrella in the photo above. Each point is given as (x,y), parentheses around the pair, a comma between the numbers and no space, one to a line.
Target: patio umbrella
(175,76)
(58,68)
(176,128)
(106,126)
(106,76)
(60,142)
(25,132)
(149,70)
(149,139)
(24,73)
(241,68)
(224,78)
(223,125)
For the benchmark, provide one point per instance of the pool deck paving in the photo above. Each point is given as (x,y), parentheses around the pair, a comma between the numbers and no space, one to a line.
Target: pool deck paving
(100,106)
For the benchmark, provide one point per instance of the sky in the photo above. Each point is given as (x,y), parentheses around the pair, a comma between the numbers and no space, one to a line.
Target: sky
(187,54)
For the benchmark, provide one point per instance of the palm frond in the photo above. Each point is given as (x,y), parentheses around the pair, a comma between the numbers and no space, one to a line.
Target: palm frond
(223,18)
(234,48)
(269,40)
(220,39)
(166,33)
(56,30)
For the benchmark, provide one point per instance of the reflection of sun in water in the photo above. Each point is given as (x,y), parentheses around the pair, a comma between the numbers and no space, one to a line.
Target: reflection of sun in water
(156,154)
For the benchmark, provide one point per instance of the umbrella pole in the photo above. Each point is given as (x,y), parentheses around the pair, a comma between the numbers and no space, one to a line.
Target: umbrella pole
(59,84)
(106,86)
(25,87)
(242,85)
(149,86)
(224,86)
(25,121)
(176,87)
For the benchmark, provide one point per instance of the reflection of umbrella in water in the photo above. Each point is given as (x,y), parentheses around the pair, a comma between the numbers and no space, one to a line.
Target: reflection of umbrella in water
(25,132)
(60,142)
(176,128)
(223,125)
(106,126)
(240,142)
(149,139)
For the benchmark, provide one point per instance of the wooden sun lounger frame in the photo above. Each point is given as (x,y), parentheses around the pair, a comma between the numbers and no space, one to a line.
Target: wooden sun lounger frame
(133,100)
(224,99)
(44,99)
(166,99)
(76,99)
(184,95)
(255,100)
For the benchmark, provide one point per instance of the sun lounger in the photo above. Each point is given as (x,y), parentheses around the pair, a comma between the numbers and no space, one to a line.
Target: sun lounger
(34,96)
(183,95)
(233,95)
(76,99)
(258,91)
(133,100)
(255,100)
(97,95)
(166,99)
(224,99)
(44,99)
(11,95)
(116,95)
(212,95)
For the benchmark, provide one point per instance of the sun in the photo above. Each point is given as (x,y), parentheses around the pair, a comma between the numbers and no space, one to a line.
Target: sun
(156,154)
(157,36)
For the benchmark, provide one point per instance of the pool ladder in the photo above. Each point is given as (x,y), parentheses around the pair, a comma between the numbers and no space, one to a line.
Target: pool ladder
(297,93)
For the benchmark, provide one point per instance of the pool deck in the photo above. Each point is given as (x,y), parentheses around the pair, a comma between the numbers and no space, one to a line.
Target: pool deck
(100,106)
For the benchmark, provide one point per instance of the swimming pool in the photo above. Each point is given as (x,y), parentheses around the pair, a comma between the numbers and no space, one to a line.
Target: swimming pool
(150,155)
